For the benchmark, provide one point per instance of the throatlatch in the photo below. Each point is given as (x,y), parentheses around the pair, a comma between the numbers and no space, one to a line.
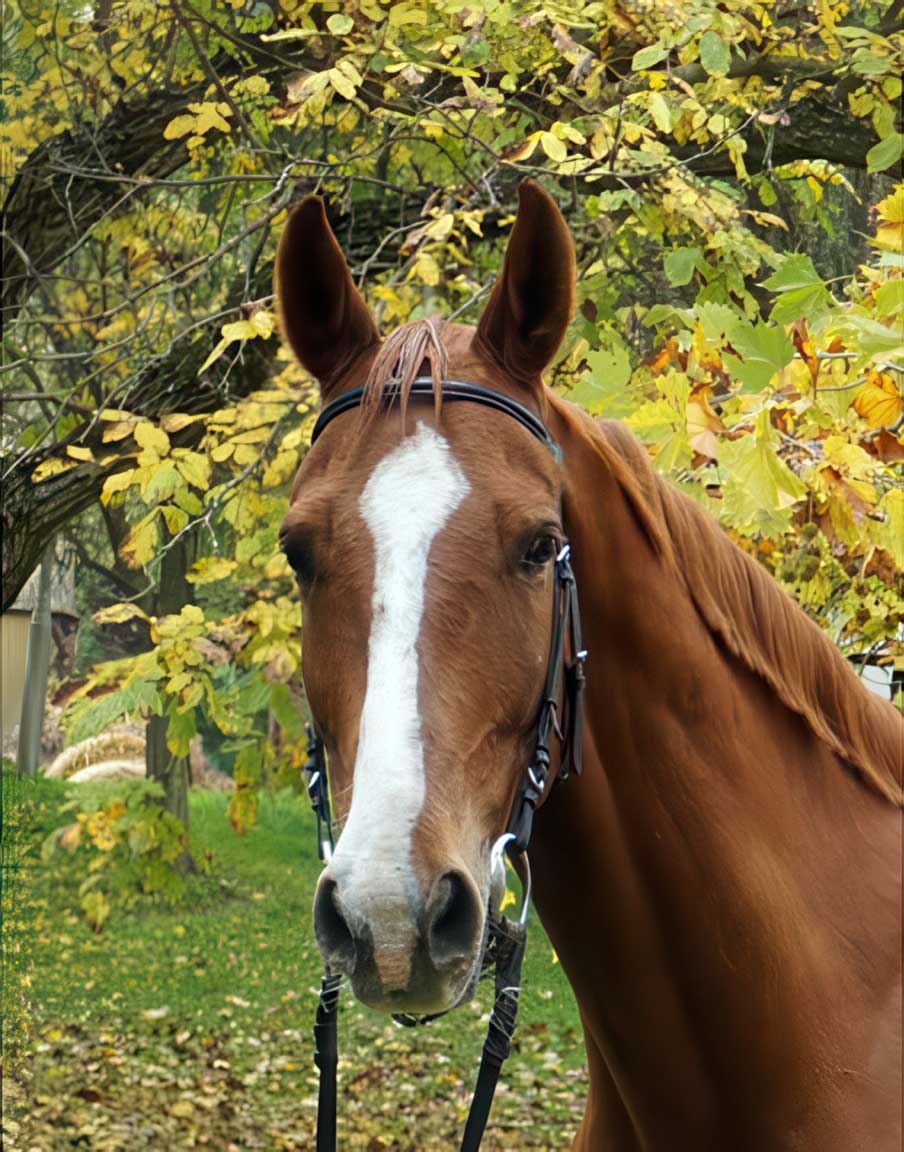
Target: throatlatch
(560,715)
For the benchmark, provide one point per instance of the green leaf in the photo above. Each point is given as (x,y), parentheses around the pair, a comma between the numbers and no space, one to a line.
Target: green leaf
(602,390)
(680,264)
(794,272)
(759,489)
(718,320)
(667,314)
(661,112)
(868,337)
(764,351)
(715,54)
(162,483)
(648,57)
(654,420)
(802,292)
(889,533)
(285,711)
(887,152)
(180,730)
(339,24)
(890,298)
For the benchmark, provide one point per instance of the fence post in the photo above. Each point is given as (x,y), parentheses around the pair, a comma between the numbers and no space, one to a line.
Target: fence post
(37,663)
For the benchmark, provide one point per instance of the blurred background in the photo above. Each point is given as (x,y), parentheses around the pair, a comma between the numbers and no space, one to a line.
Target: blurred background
(731,174)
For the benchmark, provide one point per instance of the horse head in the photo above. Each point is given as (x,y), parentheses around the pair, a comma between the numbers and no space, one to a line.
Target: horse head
(424,542)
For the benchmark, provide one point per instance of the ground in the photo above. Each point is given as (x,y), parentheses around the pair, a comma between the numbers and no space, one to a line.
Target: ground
(190,1027)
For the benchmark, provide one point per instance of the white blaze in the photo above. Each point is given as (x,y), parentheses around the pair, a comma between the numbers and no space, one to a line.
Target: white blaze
(408,498)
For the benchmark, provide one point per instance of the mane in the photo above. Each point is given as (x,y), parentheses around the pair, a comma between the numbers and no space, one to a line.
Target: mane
(758,622)
(399,361)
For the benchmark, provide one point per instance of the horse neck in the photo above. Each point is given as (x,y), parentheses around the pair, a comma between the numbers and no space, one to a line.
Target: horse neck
(684,878)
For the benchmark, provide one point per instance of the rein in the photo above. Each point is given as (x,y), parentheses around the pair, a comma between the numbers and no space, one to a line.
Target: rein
(506,939)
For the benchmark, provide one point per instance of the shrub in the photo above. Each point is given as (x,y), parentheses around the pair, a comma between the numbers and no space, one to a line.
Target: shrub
(125,845)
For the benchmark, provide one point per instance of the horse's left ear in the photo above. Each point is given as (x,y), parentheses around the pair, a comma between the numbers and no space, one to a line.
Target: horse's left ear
(323,315)
(532,301)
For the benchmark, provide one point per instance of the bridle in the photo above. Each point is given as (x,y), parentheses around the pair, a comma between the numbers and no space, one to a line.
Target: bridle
(506,939)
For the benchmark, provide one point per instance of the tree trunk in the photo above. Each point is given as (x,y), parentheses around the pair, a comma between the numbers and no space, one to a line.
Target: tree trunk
(173,593)
(31,511)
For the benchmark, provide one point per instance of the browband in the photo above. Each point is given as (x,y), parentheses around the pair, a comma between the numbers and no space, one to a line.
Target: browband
(451,390)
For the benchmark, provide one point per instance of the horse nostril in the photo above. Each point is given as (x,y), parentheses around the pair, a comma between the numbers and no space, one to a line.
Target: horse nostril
(454,920)
(330,926)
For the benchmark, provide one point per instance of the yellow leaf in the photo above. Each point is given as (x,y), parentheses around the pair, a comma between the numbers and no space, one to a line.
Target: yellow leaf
(523,150)
(280,470)
(211,116)
(217,352)
(113,414)
(150,437)
(211,568)
(878,401)
(890,233)
(427,269)
(341,83)
(117,483)
(176,421)
(119,613)
(79,453)
(195,468)
(553,147)
(118,431)
(176,518)
(138,547)
(179,126)
(263,323)
(245,454)
(51,467)
(661,113)
(441,227)
(238,330)
(702,426)
(406,14)
(222,452)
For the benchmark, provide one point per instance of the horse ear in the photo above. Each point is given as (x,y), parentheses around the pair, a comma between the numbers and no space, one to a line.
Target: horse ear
(323,315)
(533,298)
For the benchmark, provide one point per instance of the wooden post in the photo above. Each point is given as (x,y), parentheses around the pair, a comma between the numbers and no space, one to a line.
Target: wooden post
(37,663)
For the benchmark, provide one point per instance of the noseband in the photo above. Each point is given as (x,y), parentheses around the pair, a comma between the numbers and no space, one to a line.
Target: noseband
(506,939)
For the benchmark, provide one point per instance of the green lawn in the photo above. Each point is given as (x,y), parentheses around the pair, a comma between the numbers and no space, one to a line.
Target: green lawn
(189,1027)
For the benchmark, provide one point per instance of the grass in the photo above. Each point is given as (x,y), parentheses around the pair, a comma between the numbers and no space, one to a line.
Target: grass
(189,1026)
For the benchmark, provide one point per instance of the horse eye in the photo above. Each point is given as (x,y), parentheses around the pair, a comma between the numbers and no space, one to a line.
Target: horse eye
(300,556)
(542,550)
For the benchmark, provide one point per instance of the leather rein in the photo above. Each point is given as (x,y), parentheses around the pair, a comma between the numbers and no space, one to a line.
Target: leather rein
(505,940)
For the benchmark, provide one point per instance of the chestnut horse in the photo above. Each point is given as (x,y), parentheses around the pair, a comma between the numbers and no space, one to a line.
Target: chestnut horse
(722,884)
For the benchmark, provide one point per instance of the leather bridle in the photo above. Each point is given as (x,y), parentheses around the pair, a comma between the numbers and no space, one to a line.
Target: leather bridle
(560,715)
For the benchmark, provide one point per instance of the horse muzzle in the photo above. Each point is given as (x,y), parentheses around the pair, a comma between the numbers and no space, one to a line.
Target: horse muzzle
(400,953)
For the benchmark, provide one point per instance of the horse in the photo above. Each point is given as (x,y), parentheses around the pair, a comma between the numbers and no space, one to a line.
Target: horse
(722,883)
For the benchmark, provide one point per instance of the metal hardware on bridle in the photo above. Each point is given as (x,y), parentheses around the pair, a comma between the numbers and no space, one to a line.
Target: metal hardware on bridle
(319,793)
(506,939)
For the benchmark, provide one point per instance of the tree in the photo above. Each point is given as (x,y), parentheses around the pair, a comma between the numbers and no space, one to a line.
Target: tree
(700,154)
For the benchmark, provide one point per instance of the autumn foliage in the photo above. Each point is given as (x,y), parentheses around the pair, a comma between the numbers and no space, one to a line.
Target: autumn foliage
(728,173)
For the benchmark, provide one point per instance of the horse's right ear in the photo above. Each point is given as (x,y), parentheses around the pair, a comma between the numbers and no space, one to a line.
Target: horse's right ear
(323,315)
